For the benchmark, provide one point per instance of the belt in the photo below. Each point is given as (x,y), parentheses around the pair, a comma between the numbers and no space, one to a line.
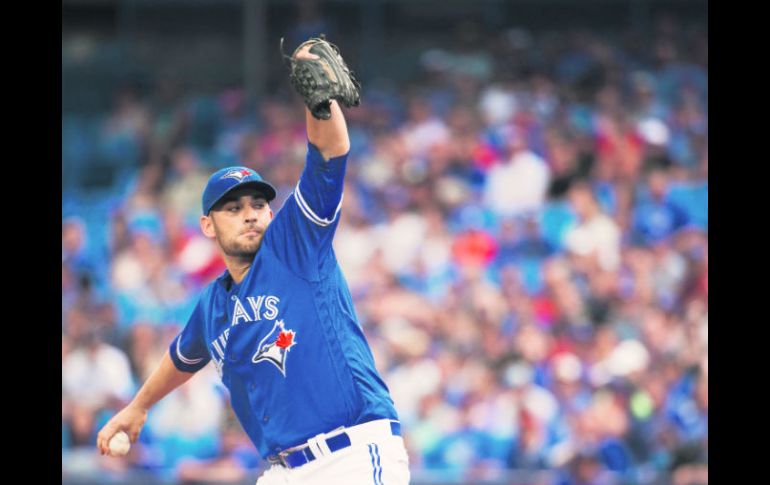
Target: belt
(336,440)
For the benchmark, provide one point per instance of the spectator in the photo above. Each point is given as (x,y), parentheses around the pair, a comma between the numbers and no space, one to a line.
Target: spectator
(655,218)
(423,129)
(96,374)
(596,238)
(518,185)
(187,180)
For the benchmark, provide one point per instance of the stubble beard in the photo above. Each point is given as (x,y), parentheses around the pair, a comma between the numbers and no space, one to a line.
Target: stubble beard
(236,249)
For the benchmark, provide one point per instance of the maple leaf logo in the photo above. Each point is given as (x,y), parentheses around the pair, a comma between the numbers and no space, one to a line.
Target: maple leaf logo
(285,339)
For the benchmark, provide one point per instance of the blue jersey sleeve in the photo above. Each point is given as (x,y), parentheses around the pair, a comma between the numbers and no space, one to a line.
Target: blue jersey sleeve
(302,232)
(188,349)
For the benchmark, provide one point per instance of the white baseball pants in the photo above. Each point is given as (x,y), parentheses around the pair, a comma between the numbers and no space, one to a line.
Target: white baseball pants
(375,457)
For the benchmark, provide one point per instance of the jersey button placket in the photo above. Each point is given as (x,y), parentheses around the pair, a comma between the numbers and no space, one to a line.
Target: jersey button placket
(229,357)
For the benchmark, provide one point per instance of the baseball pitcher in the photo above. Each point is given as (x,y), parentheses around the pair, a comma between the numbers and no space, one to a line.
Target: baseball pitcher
(279,323)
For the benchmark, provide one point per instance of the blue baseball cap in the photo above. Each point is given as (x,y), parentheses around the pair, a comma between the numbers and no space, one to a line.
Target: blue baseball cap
(227,179)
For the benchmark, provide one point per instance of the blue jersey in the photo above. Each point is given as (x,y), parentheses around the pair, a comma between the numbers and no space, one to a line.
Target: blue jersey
(286,341)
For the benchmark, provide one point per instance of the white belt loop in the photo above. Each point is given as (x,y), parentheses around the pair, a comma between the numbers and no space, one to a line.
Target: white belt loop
(323,447)
(313,447)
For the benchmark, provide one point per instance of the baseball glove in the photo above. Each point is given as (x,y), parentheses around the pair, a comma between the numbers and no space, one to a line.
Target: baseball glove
(320,80)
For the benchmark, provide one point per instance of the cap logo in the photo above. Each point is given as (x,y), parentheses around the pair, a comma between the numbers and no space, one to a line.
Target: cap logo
(238,174)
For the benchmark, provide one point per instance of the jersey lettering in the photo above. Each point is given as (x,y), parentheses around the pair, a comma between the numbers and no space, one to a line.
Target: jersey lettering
(270,313)
(219,349)
(270,303)
(256,305)
(239,312)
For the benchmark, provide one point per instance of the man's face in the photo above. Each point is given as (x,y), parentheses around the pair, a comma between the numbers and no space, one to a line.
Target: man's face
(238,222)
(581,202)
(657,183)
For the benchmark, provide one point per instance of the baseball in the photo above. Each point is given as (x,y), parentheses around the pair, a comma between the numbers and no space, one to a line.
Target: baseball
(119,444)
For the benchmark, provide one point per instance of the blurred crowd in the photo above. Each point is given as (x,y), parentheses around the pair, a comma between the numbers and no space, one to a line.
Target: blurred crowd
(524,232)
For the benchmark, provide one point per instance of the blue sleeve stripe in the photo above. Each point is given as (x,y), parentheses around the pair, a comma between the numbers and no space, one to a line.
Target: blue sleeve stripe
(182,358)
(305,208)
